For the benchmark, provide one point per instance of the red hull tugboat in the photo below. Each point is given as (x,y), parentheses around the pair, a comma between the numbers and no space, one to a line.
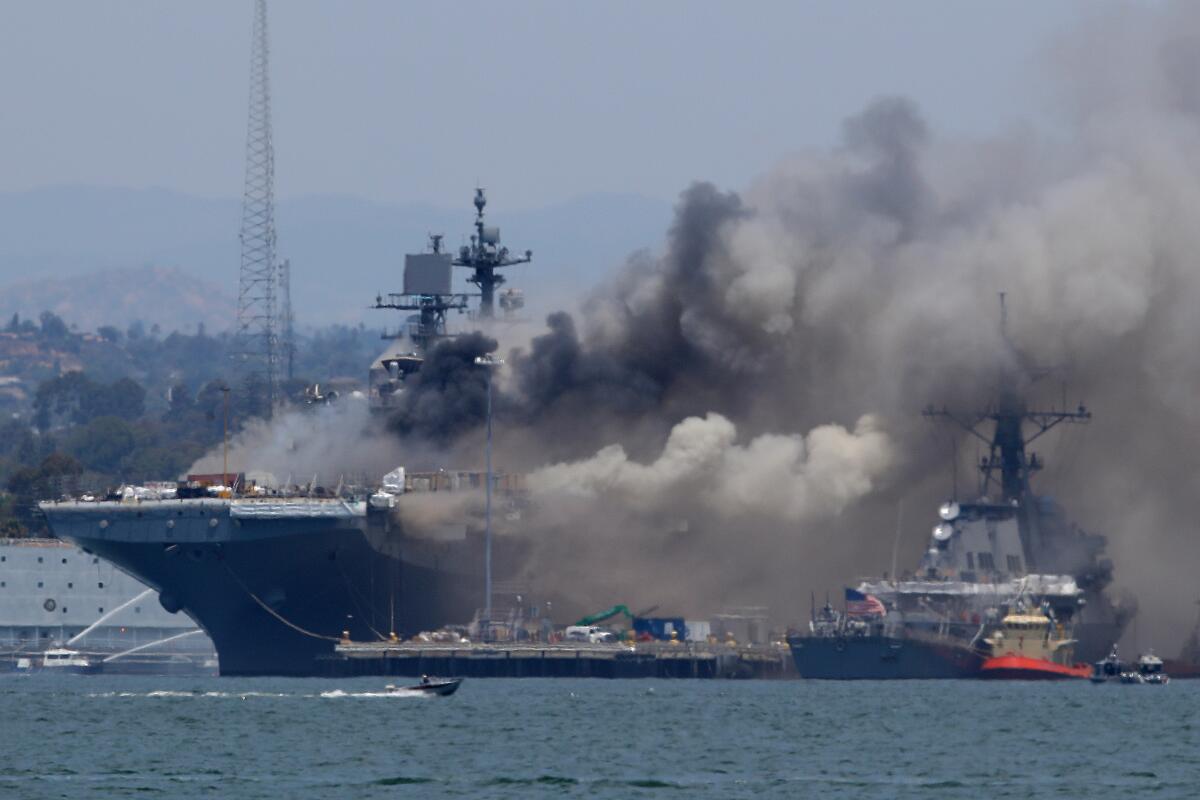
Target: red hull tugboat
(1029,646)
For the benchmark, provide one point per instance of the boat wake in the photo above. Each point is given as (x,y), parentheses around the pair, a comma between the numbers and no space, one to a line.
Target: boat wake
(390,693)
(191,694)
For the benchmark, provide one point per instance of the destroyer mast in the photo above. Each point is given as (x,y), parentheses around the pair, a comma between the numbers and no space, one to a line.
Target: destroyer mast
(1008,466)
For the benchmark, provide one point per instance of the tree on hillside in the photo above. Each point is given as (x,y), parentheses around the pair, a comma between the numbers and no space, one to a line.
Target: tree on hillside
(77,399)
(102,444)
(109,333)
(53,327)
(10,526)
(54,477)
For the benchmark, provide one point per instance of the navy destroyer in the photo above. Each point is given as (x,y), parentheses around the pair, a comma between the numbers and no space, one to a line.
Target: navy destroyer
(1005,549)
(277,576)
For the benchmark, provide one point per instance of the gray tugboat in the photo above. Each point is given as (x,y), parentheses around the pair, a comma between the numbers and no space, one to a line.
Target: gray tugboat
(985,556)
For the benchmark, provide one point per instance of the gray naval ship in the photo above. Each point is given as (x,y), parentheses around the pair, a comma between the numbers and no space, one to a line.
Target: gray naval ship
(56,598)
(277,576)
(1007,548)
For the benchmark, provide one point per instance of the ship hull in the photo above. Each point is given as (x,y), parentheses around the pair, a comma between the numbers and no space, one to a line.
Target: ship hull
(275,596)
(882,658)
(1022,668)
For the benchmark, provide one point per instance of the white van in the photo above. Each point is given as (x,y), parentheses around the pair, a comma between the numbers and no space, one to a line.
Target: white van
(593,634)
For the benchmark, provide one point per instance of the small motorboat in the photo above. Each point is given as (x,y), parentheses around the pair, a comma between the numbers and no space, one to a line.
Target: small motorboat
(427,685)
(1108,669)
(62,660)
(1149,670)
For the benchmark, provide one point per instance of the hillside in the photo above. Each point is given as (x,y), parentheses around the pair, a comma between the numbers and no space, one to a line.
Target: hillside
(169,298)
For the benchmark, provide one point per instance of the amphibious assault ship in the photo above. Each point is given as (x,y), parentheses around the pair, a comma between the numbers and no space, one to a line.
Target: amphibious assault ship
(1006,548)
(277,576)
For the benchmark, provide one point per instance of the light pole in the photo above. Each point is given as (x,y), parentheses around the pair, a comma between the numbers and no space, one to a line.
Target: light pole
(225,444)
(490,363)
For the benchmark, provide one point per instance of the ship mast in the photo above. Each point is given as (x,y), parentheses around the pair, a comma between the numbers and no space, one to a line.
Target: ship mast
(431,305)
(1008,466)
(484,256)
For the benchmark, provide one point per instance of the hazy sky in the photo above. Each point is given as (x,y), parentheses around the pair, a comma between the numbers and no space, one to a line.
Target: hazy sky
(540,101)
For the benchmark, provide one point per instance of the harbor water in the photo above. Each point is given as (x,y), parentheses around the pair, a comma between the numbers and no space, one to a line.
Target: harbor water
(127,736)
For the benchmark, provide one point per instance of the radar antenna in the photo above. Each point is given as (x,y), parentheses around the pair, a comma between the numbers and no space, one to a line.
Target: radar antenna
(429,300)
(485,255)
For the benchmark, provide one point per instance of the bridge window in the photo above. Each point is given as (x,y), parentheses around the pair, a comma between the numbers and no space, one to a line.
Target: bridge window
(986,562)
(1014,563)
(100,584)
(39,559)
(970,561)
(39,584)
(100,610)
(70,585)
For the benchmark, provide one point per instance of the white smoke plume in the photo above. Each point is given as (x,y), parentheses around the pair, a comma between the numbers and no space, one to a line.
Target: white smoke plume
(331,443)
(789,477)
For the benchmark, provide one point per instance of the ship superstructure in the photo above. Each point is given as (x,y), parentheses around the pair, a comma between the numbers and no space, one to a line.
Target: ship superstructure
(428,290)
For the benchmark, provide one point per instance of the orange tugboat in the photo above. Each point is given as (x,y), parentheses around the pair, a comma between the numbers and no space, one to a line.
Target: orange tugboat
(1029,646)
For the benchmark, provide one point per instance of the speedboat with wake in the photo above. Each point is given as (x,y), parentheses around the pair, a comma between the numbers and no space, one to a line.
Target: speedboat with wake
(427,685)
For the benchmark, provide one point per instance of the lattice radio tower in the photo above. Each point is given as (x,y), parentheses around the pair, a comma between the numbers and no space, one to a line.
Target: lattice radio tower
(257,339)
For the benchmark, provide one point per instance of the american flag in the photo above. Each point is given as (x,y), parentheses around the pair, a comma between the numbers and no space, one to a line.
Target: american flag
(863,605)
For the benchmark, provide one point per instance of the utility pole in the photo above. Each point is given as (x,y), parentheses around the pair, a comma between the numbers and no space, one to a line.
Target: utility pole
(490,363)
(287,320)
(256,340)
(225,440)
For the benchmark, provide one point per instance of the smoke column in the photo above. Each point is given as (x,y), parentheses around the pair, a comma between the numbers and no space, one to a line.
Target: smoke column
(734,418)
(864,281)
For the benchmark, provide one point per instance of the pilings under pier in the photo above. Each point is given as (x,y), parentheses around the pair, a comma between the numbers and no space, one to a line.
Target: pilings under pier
(574,660)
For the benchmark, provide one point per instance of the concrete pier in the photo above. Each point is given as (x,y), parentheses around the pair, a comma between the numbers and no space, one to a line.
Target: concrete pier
(563,660)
